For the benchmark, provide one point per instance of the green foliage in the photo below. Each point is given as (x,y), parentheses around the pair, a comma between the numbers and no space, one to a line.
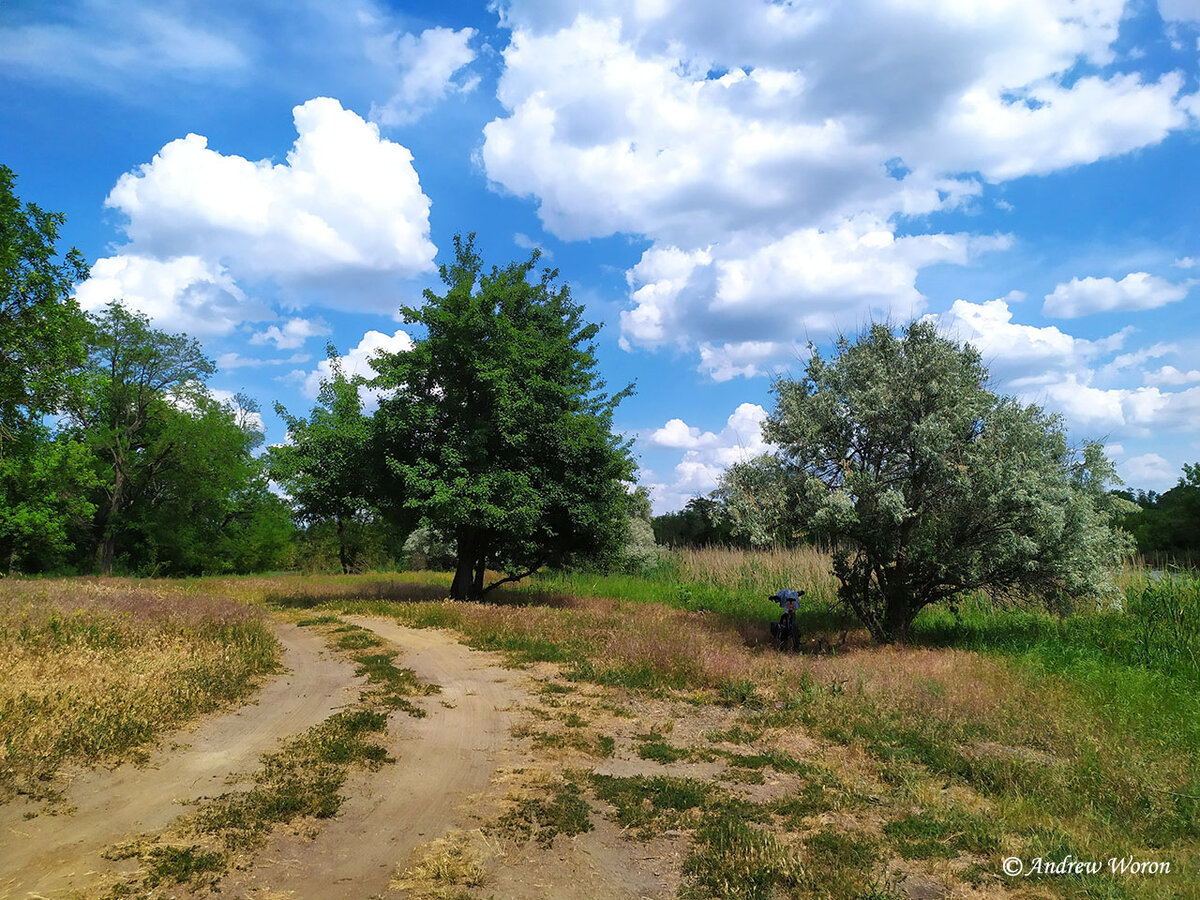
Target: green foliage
(174,485)
(700,523)
(929,485)
(41,328)
(42,481)
(756,501)
(495,428)
(44,497)
(325,465)
(1168,524)
(424,548)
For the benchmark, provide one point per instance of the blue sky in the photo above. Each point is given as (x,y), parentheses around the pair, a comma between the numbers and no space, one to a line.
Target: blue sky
(719,183)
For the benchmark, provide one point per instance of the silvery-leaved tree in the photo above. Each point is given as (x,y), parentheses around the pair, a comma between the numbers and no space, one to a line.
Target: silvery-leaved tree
(927,484)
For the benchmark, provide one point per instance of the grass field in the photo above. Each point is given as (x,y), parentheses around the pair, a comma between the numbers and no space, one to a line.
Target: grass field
(91,671)
(998,732)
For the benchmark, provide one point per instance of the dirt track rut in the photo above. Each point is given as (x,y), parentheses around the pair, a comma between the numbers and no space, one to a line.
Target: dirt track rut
(52,854)
(440,760)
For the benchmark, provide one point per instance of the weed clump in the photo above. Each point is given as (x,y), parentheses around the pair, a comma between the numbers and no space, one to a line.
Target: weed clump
(739,861)
(447,867)
(562,811)
(649,806)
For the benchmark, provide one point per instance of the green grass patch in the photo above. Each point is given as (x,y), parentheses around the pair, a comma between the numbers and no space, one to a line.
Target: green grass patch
(309,621)
(650,805)
(355,638)
(562,811)
(843,865)
(945,833)
(775,759)
(737,734)
(180,865)
(740,861)
(301,779)
(820,791)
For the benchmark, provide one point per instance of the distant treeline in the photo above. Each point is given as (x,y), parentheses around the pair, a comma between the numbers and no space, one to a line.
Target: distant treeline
(1166,526)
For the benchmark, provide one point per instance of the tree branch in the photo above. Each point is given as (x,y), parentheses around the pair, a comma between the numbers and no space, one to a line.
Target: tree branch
(508,578)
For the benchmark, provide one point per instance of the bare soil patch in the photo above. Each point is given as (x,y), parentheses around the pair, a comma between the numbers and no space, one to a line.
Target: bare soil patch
(441,759)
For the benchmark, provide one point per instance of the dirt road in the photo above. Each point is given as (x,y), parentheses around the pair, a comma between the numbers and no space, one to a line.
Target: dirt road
(440,760)
(52,854)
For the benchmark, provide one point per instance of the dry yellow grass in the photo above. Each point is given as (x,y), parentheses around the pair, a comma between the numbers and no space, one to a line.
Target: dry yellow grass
(759,572)
(447,866)
(92,669)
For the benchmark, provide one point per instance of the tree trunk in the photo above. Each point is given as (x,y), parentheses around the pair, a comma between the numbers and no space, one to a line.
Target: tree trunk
(477,586)
(108,540)
(107,551)
(897,618)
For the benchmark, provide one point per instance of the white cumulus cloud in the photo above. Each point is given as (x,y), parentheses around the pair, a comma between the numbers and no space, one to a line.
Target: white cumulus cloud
(706,453)
(1148,471)
(1136,291)
(1169,375)
(181,293)
(766,149)
(356,361)
(337,223)
(346,202)
(1023,356)
(429,67)
(293,334)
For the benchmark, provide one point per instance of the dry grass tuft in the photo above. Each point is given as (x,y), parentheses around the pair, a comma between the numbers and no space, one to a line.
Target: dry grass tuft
(447,866)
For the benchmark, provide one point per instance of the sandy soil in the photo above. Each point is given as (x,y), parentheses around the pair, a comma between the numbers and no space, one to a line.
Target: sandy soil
(52,854)
(440,760)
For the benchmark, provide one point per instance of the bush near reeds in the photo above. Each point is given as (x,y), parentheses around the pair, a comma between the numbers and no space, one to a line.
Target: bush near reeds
(90,671)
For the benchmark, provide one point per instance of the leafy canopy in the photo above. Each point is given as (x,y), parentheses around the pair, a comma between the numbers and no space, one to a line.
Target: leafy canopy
(42,480)
(41,328)
(158,440)
(324,467)
(926,483)
(495,426)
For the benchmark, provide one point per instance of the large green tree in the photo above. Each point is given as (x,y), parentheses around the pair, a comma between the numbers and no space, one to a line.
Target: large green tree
(208,508)
(43,481)
(495,426)
(928,485)
(325,466)
(41,328)
(134,410)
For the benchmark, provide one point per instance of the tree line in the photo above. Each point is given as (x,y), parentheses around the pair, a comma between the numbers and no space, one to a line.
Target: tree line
(492,435)
(488,447)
